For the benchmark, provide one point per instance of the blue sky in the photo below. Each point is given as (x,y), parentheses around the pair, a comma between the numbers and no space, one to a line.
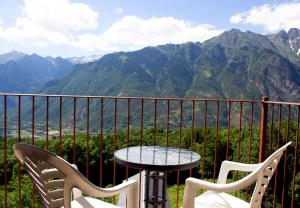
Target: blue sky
(84,27)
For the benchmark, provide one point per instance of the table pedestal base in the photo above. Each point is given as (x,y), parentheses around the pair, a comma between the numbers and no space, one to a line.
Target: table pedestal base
(155,189)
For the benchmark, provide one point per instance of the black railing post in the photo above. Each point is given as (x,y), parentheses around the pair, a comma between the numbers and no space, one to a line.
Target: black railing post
(263,129)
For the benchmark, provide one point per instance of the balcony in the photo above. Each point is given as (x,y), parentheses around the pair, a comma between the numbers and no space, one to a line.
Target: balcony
(86,130)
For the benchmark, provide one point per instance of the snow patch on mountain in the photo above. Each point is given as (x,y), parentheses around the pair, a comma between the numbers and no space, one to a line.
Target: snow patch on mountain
(84,59)
(291,45)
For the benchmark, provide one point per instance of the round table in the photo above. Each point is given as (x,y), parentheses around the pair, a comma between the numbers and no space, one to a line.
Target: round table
(156,161)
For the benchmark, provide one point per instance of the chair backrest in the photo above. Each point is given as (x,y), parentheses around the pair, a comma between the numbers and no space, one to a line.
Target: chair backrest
(47,172)
(264,175)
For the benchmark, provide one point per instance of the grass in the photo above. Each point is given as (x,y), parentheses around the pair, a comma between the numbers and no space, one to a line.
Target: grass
(172,192)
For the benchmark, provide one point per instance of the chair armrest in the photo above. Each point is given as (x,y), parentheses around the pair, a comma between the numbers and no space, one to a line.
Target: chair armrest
(77,193)
(193,184)
(74,179)
(123,187)
(130,188)
(229,166)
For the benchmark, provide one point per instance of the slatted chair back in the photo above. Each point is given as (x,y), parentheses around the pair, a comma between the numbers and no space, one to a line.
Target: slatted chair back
(264,176)
(47,172)
(48,180)
(56,179)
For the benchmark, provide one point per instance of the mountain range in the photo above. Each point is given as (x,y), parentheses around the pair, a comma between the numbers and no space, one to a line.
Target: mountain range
(235,64)
(24,73)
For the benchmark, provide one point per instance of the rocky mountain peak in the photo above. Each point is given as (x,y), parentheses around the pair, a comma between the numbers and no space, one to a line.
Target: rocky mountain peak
(294,40)
(235,39)
(282,35)
(11,56)
(231,37)
(294,33)
(288,43)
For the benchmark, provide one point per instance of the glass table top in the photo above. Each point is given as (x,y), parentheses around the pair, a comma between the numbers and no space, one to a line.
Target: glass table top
(157,158)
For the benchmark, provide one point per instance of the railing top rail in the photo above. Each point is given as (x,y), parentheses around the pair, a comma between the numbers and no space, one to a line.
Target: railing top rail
(128,97)
(283,103)
(151,98)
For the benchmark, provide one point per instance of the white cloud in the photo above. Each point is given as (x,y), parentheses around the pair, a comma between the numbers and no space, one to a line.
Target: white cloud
(132,32)
(58,14)
(37,36)
(46,23)
(235,19)
(118,11)
(271,17)
(1,29)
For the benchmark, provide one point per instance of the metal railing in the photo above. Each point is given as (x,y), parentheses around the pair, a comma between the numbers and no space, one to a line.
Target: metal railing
(240,130)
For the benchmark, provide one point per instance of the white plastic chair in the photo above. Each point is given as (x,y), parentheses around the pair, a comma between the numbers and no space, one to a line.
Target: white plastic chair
(261,174)
(55,178)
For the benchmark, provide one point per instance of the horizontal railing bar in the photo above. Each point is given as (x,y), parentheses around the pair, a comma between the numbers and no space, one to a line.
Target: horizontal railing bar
(283,103)
(151,98)
(127,97)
